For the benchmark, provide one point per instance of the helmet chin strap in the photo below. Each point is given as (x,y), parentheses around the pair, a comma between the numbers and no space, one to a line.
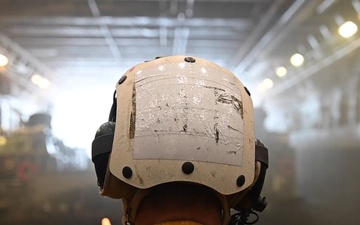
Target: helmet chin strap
(179,222)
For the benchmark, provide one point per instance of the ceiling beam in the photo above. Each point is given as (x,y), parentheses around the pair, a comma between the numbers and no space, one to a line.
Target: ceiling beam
(254,36)
(282,24)
(136,32)
(62,42)
(24,65)
(105,31)
(315,68)
(117,1)
(128,21)
(24,56)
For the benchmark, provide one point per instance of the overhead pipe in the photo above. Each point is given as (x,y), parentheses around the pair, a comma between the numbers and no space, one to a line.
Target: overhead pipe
(285,21)
(314,68)
(105,31)
(254,36)
(181,32)
(129,21)
(24,56)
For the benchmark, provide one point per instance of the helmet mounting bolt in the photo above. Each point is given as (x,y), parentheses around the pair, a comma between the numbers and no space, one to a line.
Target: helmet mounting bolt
(189,59)
(127,172)
(188,167)
(240,180)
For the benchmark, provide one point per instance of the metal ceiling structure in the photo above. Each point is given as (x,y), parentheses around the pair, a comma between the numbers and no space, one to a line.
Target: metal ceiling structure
(100,39)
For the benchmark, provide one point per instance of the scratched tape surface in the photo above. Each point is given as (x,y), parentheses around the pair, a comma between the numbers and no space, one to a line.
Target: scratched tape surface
(196,114)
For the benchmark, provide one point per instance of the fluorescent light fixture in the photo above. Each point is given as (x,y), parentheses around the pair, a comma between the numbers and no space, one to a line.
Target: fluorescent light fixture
(297,59)
(105,221)
(2,140)
(44,83)
(3,60)
(265,85)
(268,83)
(40,81)
(36,79)
(348,29)
(281,71)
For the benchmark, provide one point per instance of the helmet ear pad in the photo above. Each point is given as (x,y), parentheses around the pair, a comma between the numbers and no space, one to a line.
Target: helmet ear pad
(101,149)
(253,199)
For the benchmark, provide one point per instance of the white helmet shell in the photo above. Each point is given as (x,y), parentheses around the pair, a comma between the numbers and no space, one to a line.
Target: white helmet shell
(183,119)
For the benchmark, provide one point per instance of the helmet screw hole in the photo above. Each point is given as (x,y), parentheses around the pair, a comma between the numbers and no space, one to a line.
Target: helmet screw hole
(240,180)
(189,59)
(127,172)
(188,167)
(122,79)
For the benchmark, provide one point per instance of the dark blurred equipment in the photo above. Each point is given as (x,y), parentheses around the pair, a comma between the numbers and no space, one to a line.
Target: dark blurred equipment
(5,84)
(34,146)
(35,167)
(39,119)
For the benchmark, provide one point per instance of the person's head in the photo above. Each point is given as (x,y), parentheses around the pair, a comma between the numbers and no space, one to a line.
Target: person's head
(179,202)
(179,144)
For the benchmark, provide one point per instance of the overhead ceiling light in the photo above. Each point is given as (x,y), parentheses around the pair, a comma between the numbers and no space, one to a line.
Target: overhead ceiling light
(44,83)
(265,85)
(40,81)
(268,83)
(105,221)
(297,59)
(36,79)
(281,71)
(2,140)
(348,29)
(3,60)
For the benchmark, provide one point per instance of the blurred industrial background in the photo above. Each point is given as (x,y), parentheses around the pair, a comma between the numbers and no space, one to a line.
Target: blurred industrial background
(60,60)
